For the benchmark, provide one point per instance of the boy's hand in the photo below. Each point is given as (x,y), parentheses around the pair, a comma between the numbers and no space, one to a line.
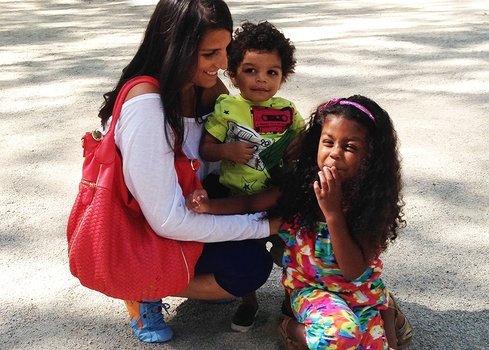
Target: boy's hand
(239,151)
(198,201)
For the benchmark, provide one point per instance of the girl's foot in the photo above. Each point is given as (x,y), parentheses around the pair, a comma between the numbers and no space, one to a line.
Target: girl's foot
(404,329)
(285,334)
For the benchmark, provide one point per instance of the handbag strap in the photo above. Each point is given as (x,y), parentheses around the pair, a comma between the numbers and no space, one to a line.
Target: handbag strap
(107,150)
(121,96)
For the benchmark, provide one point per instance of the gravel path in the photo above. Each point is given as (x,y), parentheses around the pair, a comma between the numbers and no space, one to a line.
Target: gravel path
(425,62)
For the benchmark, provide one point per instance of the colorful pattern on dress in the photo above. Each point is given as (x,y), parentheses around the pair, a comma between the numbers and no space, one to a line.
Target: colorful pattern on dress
(337,313)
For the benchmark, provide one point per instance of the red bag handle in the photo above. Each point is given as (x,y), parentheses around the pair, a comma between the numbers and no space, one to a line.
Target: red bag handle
(107,149)
(121,96)
(107,155)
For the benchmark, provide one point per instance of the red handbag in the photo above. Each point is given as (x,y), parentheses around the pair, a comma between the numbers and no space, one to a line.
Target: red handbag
(111,247)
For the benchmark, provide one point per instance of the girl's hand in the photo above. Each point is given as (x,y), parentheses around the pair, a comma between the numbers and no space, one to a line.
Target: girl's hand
(239,151)
(198,201)
(328,190)
(350,257)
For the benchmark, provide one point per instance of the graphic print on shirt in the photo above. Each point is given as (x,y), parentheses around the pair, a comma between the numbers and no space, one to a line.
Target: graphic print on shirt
(238,132)
(271,120)
(248,185)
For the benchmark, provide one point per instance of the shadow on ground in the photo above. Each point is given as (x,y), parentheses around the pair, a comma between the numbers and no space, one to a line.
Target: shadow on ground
(426,63)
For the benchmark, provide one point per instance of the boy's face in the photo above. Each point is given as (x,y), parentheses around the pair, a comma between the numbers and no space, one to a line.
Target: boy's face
(259,76)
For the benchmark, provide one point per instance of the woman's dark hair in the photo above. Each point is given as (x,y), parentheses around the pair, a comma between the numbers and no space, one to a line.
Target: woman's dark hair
(260,37)
(169,52)
(372,201)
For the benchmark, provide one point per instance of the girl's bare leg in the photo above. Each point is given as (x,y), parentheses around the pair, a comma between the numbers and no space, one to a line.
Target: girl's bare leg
(293,334)
(297,331)
(389,318)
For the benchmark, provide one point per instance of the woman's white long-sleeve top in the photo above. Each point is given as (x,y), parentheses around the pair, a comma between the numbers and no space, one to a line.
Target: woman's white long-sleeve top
(149,173)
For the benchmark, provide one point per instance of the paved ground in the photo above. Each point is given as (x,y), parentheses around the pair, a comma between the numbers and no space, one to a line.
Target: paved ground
(426,62)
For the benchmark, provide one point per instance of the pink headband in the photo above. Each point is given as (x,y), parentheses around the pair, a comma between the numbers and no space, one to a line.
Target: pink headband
(342,101)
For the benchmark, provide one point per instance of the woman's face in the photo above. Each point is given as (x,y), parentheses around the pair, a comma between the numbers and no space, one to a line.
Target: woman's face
(211,57)
(343,143)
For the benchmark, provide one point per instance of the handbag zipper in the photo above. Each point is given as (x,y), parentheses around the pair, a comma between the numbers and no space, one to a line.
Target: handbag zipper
(88,183)
(186,263)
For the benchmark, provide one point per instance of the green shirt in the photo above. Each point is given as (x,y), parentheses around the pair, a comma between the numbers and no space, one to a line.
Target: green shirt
(262,124)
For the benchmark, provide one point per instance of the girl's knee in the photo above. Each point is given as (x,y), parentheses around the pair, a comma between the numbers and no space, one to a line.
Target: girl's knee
(348,335)
(340,333)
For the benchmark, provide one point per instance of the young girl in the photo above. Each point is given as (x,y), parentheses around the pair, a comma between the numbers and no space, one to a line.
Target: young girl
(250,132)
(341,207)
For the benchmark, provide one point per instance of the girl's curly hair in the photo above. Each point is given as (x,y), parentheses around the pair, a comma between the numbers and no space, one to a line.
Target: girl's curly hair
(263,36)
(372,201)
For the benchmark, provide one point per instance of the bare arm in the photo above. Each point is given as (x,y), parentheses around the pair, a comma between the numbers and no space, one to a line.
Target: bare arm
(199,202)
(212,150)
(349,255)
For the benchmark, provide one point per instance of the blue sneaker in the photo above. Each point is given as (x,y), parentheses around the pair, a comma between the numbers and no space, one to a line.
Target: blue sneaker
(147,321)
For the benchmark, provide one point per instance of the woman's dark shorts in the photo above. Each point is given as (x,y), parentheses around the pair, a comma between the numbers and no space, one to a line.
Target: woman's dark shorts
(240,267)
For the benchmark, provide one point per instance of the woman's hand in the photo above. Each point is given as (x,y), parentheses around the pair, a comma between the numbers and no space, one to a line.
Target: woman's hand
(198,201)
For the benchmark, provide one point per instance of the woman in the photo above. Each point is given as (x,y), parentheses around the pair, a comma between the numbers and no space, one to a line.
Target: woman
(183,48)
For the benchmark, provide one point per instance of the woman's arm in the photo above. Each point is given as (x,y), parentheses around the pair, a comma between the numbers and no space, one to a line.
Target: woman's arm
(149,173)
(199,202)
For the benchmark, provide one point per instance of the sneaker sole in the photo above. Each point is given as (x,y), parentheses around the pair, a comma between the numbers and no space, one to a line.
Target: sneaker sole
(243,329)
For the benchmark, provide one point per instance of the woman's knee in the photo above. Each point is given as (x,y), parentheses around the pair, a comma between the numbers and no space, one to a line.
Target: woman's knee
(239,267)
(252,267)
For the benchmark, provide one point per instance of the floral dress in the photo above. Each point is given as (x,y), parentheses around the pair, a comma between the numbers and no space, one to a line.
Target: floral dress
(337,313)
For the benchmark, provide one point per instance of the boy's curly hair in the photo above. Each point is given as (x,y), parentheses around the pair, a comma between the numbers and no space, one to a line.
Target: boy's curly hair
(372,201)
(263,36)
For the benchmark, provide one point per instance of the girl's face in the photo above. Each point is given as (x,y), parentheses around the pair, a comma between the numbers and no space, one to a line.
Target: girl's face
(211,57)
(343,143)
(259,76)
